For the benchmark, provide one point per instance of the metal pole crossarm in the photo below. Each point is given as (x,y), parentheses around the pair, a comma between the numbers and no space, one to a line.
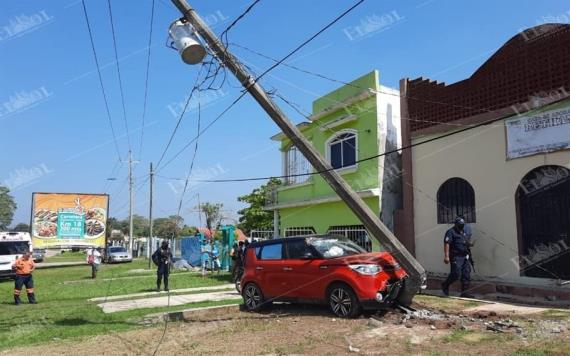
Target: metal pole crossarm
(373,224)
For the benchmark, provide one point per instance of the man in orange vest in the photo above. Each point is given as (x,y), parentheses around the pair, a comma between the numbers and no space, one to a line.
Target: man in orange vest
(24,267)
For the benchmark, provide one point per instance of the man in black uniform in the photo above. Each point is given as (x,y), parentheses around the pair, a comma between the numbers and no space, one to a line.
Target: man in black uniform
(457,245)
(162,258)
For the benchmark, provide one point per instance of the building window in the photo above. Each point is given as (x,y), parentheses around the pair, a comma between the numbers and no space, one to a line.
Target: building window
(455,197)
(295,164)
(342,150)
(355,233)
(299,231)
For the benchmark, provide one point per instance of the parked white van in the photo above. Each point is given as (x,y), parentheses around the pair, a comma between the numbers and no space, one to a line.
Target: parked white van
(12,246)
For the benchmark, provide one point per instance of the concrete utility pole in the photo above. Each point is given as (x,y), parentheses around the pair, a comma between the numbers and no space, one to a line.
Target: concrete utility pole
(149,244)
(131,199)
(377,229)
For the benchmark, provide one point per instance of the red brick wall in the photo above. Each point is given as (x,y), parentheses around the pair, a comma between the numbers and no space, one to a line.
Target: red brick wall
(535,62)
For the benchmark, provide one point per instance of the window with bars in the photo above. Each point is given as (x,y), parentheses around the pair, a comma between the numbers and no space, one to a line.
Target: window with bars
(455,197)
(295,164)
(342,150)
(355,233)
(299,231)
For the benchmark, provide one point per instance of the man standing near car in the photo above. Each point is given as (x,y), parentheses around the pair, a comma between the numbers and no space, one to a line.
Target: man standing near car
(24,266)
(162,258)
(456,250)
(94,259)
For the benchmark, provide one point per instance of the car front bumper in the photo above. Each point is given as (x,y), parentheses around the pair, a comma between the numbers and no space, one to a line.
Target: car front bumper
(117,259)
(387,297)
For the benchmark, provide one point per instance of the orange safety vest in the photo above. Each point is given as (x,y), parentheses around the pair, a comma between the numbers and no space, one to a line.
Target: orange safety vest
(23,267)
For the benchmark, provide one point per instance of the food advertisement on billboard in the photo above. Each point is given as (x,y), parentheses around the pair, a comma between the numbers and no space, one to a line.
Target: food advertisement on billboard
(66,219)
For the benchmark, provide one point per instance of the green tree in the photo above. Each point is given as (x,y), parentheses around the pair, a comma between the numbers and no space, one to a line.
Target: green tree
(21,227)
(7,208)
(254,217)
(169,227)
(213,214)
(140,225)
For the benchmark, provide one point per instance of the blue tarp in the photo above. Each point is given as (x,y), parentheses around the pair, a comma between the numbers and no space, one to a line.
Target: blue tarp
(191,250)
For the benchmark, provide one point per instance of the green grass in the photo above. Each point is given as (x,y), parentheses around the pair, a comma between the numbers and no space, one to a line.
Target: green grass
(67,256)
(64,311)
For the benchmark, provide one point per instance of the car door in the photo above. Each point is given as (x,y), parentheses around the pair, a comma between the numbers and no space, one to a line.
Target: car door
(305,272)
(269,270)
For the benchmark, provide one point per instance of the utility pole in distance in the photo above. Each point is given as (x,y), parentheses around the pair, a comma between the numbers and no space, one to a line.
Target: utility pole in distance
(131,198)
(372,223)
(149,247)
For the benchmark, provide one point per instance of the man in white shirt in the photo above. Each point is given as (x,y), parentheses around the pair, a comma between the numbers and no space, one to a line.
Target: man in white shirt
(94,259)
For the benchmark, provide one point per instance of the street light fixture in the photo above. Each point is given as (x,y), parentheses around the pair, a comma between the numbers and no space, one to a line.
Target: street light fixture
(186,42)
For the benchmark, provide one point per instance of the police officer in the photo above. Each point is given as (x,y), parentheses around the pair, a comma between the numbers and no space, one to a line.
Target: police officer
(457,245)
(162,258)
(24,266)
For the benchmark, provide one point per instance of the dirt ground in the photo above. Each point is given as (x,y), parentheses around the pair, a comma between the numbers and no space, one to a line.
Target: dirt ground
(310,330)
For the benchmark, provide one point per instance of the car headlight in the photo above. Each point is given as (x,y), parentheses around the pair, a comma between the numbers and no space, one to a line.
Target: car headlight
(368,270)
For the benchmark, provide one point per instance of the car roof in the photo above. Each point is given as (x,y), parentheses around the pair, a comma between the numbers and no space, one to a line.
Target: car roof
(287,239)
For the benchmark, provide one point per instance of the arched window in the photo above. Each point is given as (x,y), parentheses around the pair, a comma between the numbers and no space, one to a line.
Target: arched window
(342,150)
(455,197)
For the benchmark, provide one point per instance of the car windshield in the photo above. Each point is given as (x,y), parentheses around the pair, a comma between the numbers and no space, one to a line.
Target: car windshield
(331,247)
(117,249)
(14,248)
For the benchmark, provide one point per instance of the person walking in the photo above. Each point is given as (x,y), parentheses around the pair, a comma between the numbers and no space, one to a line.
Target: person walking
(162,258)
(457,244)
(24,266)
(94,260)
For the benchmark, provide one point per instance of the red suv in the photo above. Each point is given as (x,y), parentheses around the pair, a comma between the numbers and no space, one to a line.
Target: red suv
(323,269)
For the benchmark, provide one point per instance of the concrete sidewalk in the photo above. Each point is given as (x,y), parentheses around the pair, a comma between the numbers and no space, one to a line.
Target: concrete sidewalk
(60,264)
(164,301)
(173,291)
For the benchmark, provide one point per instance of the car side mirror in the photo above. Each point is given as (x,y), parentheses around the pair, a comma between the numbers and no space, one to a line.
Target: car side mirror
(307,256)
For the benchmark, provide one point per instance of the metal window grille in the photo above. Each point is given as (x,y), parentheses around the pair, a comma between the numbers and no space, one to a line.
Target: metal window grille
(455,197)
(295,164)
(261,234)
(355,233)
(299,231)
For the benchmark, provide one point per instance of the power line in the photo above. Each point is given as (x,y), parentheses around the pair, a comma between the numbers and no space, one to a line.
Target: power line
(101,79)
(119,73)
(279,62)
(451,133)
(147,75)
(234,22)
(180,117)
(322,76)
(338,18)
(191,163)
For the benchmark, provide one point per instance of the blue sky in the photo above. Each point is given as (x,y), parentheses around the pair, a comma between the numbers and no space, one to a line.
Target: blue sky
(55,133)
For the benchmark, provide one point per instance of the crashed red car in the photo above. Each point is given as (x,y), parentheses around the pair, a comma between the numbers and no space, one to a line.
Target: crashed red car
(320,269)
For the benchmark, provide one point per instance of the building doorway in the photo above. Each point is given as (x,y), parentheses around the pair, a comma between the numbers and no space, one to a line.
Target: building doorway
(543,213)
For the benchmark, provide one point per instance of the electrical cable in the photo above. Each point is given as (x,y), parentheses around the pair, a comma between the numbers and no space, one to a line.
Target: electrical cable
(119,73)
(298,48)
(146,77)
(101,79)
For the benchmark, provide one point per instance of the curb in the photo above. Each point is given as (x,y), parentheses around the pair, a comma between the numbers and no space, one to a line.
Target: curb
(183,315)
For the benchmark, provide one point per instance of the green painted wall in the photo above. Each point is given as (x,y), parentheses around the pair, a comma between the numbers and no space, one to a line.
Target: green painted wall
(366,174)
(322,216)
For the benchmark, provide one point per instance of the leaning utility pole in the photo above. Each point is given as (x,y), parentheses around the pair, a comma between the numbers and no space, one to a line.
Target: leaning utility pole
(372,223)
(149,245)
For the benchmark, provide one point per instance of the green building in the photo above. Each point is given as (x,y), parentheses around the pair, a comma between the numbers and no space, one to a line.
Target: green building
(357,121)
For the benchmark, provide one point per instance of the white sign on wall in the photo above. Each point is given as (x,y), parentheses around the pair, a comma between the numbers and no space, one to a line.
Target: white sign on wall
(544,132)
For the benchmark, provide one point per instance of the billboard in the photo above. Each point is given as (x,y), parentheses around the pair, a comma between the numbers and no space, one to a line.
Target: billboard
(69,219)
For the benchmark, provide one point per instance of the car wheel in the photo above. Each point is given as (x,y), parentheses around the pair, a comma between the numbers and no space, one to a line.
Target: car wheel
(342,301)
(252,297)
